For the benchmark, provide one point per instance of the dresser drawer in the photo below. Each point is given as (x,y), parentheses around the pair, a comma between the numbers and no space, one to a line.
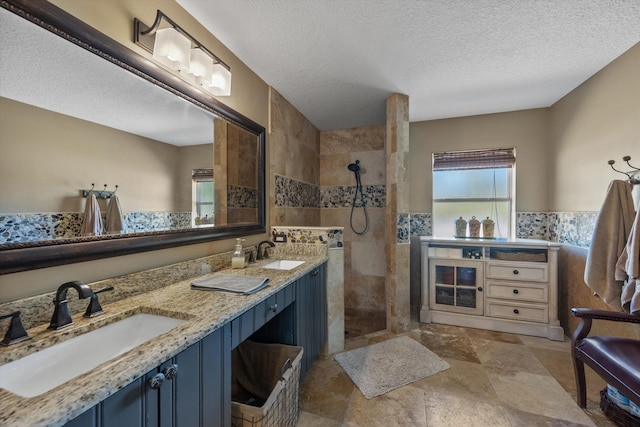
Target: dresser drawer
(517,291)
(530,272)
(517,311)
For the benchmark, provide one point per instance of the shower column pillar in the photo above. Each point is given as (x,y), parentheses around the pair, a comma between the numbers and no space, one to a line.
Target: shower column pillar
(397,238)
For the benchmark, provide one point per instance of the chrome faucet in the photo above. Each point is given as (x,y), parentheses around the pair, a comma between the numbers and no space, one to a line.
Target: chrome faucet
(61,316)
(263,254)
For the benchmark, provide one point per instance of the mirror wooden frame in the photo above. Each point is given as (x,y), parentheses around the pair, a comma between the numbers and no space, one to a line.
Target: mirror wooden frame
(34,255)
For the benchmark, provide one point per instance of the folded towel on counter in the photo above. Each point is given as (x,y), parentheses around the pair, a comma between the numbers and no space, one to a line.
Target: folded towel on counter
(629,261)
(244,285)
(613,226)
(114,216)
(92,219)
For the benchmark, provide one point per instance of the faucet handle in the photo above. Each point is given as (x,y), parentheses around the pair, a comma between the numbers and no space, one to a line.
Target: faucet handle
(95,309)
(16,332)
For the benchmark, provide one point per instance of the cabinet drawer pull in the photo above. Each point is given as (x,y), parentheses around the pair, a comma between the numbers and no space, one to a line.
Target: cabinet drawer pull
(516,311)
(156,381)
(480,289)
(170,372)
(274,308)
(516,272)
(314,272)
(515,291)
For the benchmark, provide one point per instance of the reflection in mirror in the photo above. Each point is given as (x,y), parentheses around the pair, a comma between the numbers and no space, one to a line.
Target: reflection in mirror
(73,123)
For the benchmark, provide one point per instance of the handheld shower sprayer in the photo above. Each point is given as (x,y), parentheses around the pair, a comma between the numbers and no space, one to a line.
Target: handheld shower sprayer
(355,168)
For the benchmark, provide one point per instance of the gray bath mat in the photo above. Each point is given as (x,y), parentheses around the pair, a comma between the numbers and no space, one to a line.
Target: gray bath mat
(379,368)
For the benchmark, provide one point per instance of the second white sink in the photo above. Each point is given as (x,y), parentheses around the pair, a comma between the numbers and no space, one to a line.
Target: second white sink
(44,370)
(283,264)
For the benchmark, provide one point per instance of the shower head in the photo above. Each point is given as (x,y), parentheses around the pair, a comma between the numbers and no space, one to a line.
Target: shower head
(354,167)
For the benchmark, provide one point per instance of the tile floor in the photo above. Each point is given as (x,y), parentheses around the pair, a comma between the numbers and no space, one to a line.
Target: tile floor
(495,379)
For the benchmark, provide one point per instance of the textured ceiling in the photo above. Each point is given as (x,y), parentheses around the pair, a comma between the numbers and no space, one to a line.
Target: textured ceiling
(338,60)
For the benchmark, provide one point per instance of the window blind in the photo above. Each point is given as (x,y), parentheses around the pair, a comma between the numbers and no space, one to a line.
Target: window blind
(202,174)
(476,159)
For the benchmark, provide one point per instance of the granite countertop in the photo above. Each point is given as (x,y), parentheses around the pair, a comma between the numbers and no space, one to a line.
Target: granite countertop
(204,312)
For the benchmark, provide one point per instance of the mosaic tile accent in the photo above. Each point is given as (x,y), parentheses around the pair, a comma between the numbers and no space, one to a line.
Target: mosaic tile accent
(375,196)
(39,226)
(292,193)
(331,236)
(573,228)
(420,224)
(241,197)
(156,221)
(20,228)
(403,228)
(533,225)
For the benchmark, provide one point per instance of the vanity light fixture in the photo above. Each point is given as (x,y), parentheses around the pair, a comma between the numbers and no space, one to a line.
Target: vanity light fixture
(174,48)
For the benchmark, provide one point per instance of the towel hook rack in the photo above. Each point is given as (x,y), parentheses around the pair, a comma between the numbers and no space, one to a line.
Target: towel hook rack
(630,175)
(100,194)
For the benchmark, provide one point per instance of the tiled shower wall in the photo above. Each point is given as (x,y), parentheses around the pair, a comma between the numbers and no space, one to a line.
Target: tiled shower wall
(365,260)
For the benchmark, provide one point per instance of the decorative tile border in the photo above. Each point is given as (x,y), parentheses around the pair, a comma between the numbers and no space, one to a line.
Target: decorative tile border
(420,224)
(573,228)
(332,236)
(18,228)
(375,196)
(403,229)
(292,193)
(241,197)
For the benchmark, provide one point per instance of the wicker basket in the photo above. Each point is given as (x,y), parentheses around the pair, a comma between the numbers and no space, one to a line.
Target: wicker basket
(619,416)
(281,408)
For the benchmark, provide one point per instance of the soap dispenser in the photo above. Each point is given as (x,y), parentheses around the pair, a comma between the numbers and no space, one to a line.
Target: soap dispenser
(237,261)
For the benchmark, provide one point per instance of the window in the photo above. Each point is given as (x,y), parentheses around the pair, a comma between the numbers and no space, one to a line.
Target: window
(478,183)
(202,197)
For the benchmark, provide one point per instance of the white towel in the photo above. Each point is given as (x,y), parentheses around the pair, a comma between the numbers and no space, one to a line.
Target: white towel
(613,226)
(629,261)
(114,216)
(92,220)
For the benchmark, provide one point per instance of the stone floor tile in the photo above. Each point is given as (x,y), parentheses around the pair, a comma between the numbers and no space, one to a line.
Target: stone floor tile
(446,344)
(463,379)
(537,394)
(506,357)
(521,418)
(326,390)
(451,410)
(492,336)
(401,407)
(311,420)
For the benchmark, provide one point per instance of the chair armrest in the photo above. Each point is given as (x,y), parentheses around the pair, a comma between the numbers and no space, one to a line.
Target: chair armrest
(615,316)
(586,316)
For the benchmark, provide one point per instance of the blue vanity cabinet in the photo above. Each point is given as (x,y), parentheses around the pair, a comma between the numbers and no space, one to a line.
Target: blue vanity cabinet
(198,394)
(311,315)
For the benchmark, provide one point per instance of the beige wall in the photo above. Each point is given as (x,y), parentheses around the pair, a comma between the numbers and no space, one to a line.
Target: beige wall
(596,122)
(249,96)
(44,167)
(526,130)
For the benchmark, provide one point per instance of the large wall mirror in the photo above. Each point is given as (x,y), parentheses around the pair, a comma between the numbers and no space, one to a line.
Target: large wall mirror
(82,114)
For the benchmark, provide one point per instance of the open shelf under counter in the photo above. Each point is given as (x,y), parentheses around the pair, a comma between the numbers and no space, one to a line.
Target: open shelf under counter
(507,285)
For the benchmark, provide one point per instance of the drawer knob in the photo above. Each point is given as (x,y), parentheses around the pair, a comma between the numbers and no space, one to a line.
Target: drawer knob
(274,308)
(170,372)
(480,289)
(515,291)
(516,272)
(516,311)
(156,381)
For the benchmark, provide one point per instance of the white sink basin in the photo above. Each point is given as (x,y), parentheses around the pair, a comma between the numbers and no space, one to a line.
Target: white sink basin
(44,370)
(283,264)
